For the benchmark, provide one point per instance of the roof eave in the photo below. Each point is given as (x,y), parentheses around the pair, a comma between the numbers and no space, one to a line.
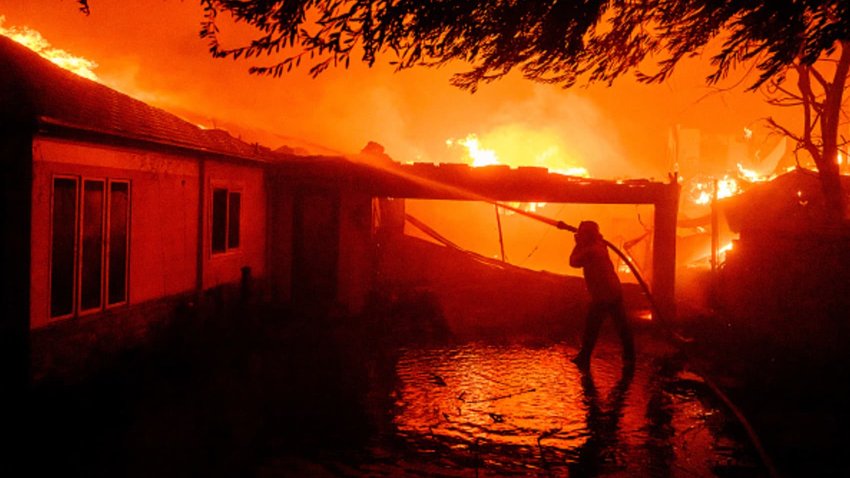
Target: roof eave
(58,128)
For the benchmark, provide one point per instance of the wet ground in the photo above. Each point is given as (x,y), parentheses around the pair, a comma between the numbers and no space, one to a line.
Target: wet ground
(308,399)
(483,409)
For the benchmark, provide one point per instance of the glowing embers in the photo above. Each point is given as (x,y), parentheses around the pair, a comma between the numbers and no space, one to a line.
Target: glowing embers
(702,189)
(33,40)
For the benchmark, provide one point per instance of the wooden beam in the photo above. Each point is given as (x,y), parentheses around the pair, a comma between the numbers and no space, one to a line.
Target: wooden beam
(664,249)
(464,183)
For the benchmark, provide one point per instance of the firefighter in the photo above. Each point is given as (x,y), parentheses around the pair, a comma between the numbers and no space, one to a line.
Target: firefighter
(606,294)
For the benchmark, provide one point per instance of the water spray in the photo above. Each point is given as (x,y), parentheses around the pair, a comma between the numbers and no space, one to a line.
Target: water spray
(666,325)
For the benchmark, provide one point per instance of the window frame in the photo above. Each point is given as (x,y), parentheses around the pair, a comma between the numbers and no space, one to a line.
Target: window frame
(75,249)
(76,291)
(108,244)
(230,188)
(81,249)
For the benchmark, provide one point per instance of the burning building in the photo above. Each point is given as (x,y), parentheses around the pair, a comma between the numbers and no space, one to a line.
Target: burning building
(789,265)
(117,210)
(118,213)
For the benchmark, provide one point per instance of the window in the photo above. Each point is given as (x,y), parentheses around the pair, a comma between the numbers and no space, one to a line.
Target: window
(64,245)
(89,245)
(91,256)
(226,219)
(119,242)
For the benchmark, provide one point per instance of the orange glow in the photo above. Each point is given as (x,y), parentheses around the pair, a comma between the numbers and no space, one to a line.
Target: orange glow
(546,156)
(33,40)
(753,176)
(644,315)
(478,155)
(150,50)
(455,399)
(541,154)
(613,132)
(702,189)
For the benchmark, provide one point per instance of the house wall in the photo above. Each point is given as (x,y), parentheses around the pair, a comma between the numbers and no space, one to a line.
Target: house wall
(280,246)
(164,216)
(226,268)
(357,266)
(316,249)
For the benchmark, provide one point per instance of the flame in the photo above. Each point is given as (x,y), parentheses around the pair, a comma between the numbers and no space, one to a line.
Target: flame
(843,163)
(753,176)
(477,156)
(33,40)
(550,157)
(702,189)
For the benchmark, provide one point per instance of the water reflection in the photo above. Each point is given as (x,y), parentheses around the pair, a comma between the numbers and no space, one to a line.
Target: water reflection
(602,420)
(518,409)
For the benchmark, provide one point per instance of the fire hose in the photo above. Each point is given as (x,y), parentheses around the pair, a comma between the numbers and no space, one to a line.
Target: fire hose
(667,328)
(643,285)
(662,320)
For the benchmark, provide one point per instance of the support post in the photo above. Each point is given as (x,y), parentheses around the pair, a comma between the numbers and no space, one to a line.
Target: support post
(664,249)
(714,229)
(499,225)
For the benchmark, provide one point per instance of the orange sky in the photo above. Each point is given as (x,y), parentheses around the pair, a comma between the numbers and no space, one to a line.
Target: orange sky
(151,49)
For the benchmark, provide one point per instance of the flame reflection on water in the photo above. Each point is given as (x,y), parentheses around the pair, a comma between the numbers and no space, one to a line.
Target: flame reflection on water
(514,409)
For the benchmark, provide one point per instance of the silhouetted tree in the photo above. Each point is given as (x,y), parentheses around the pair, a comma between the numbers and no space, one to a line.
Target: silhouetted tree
(557,41)
(818,89)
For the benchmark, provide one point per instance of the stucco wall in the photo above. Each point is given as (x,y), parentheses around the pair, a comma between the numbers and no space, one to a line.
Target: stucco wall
(224,268)
(164,202)
(356,251)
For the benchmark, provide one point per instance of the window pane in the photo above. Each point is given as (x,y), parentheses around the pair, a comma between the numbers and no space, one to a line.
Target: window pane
(92,254)
(233,220)
(63,242)
(119,220)
(219,220)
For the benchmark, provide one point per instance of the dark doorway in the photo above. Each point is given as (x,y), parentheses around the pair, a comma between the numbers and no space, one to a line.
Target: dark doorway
(316,249)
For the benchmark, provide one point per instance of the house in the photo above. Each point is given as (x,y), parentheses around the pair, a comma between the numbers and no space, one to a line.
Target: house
(121,205)
(116,213)
(790,265)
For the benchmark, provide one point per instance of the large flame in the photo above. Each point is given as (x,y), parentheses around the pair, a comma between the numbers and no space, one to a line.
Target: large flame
(543,155)
(702,189)
(477,155)
(546,156)
(33,40)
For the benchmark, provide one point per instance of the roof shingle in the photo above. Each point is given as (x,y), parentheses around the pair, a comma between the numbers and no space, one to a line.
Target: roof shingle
(33,88)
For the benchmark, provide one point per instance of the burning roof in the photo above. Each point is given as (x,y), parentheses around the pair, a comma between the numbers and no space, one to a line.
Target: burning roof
(33,89)
(791,202)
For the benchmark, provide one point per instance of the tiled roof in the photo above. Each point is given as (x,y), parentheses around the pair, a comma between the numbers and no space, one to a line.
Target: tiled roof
(34,88)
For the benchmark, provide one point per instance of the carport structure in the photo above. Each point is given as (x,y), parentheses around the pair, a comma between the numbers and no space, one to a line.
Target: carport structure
(375,176)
